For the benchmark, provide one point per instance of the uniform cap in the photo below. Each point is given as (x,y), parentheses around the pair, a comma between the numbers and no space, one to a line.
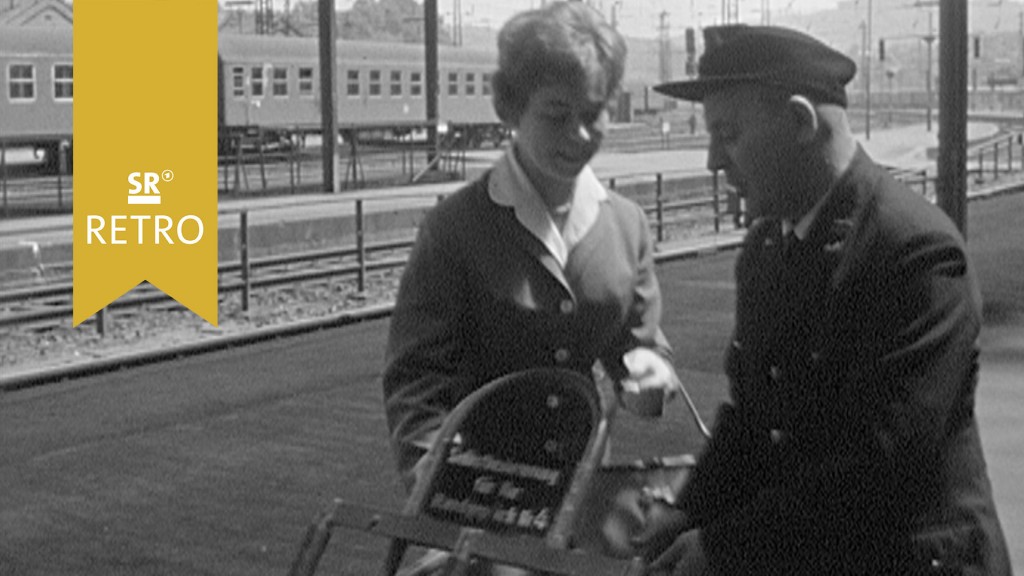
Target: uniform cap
(771,55)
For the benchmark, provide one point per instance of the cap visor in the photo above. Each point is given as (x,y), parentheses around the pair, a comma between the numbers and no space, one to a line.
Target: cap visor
(686,89)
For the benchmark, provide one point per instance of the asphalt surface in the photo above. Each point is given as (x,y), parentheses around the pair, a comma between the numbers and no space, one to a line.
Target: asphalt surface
(214,464)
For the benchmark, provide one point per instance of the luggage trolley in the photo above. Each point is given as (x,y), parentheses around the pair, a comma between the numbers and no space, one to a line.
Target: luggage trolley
(514,478)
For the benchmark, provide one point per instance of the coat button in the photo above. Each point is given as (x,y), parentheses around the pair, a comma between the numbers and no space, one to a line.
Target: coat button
(775,373)
(566,306)
(561,355)
(777,436)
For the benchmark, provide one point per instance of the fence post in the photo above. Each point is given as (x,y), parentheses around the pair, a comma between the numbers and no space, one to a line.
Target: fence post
(224,164)
(101,322)
(995,161)
(3,173)
(659,203)
(291,163)
(62,147)
(716,208)
(611,183)
(1009,154)
(360,245)
(240,171)
(263,159)
(243,246)
(300,149)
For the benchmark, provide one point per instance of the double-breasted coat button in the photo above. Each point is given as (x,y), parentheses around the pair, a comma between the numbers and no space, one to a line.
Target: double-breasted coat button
(775,373)
(777,436)
(566,306)
(561,355)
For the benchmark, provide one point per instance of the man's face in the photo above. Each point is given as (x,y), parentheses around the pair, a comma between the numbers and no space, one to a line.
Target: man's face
(753,141)
(559,132)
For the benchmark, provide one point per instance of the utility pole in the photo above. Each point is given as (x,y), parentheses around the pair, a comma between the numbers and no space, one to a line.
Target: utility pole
(730,11)
(616,5)
(930,39)
(867,75)
(430,48)
(457,22)
(287,27)
(664,48)
(951,183)
(328,96)
(264,17)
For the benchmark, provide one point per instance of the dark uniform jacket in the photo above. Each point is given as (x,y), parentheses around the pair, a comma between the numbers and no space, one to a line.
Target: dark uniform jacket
(850,445)
(482,297)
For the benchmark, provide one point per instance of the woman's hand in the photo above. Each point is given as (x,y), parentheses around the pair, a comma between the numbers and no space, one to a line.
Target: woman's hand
(650,381)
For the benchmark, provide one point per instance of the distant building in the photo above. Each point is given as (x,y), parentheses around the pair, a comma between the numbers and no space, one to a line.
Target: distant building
(35,13)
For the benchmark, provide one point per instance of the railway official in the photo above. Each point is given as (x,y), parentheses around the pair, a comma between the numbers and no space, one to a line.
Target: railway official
(535,264)
(850,444)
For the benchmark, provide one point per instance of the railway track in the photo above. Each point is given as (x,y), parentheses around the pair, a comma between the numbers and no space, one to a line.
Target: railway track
(42,307)
(686,214)
(289,288)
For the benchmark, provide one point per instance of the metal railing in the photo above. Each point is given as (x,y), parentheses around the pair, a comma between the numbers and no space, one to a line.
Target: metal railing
(356,260)
(701,208)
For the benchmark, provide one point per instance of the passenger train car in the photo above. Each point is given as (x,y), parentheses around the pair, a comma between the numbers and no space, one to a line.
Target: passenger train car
(274,82)
(270,83)
(37,83)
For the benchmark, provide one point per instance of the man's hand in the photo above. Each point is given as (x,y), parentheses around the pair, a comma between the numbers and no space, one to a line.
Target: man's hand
(662,525)
(685,557)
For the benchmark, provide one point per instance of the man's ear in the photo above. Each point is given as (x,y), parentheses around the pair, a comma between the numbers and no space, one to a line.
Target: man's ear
(806,117)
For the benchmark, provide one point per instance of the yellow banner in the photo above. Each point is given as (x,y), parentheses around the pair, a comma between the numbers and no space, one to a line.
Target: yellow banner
(145,123)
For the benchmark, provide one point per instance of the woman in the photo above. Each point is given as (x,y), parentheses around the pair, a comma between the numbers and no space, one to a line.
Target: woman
(535,264)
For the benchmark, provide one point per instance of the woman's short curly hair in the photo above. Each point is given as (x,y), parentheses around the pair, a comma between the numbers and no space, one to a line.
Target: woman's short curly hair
(563,41)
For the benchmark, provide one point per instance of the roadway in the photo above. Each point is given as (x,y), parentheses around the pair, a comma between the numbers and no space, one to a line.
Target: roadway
(214,464)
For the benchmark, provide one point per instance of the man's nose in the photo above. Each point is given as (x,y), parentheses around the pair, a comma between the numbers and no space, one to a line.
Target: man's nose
(717,159)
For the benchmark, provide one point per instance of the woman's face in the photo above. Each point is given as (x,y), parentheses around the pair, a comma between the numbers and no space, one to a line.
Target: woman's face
(558,132)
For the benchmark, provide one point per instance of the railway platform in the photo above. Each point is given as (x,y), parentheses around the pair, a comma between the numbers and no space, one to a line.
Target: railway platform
(215,464)
(31,246)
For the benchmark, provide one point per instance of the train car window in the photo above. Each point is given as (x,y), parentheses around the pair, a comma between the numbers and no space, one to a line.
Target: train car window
(238,82)
(485,83)
(375,83)
(396,82)
(257,82)
(470,84)
(415,84)
(63,82)
(374,88)
(353,83)
(453,83)
(305,81)
(21,82)
(280,79)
